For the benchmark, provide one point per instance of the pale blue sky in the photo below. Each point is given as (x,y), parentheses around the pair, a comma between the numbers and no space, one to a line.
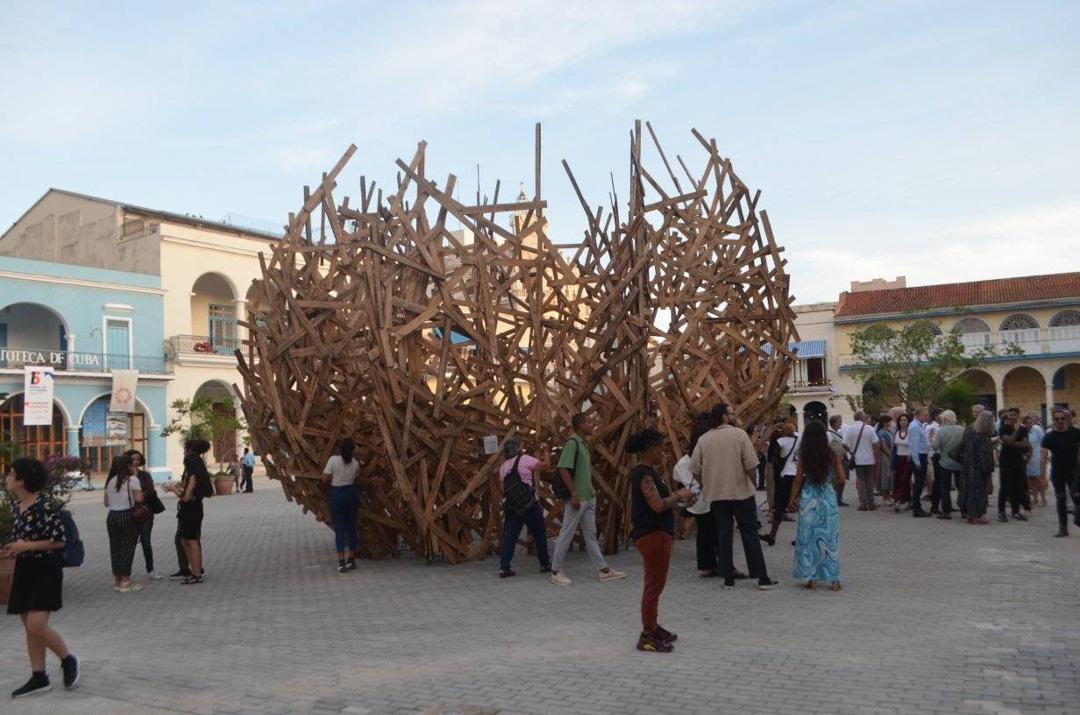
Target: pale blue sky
(936,140)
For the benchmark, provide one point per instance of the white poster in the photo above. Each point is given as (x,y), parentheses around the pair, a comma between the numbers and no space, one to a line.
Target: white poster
(491,444)
(37,395)
(117,428)
(123,390)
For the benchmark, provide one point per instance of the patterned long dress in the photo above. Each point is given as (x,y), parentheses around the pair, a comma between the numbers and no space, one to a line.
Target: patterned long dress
(817,538)
(885,473)
(977,461)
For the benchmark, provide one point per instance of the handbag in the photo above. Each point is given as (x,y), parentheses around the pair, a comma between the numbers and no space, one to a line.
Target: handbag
(519,497)
(150,497)
(138,511)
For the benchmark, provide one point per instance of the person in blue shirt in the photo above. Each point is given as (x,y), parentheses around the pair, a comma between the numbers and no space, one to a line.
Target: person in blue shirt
(247,463)
(920,457)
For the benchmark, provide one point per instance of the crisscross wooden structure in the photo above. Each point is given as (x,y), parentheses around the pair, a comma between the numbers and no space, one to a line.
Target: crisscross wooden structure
(425,325)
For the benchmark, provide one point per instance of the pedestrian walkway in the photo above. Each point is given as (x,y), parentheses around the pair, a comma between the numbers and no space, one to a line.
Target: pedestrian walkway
(935,617)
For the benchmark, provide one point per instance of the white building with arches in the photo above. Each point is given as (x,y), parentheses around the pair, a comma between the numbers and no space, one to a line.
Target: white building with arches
(199,271)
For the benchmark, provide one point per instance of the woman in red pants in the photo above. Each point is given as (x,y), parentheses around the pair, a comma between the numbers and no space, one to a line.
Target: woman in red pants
(653,514)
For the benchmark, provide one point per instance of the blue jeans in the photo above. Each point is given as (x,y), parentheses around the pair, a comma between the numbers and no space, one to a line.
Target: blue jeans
(512,523)
(344,502)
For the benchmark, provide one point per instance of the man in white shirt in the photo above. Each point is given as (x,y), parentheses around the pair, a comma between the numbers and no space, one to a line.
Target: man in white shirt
(932,481)
(861,441)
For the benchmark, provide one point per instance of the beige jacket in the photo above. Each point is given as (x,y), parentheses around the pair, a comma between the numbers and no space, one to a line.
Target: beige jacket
(721,460)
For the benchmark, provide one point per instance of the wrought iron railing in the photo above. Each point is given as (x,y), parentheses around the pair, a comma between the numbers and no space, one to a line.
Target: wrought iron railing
(75,361)
(202,345)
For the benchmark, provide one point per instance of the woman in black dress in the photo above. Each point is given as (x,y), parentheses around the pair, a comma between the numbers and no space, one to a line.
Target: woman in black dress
(194,487)
(38,537)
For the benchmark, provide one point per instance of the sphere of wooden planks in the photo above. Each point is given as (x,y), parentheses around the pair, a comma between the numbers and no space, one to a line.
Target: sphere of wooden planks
(427,330)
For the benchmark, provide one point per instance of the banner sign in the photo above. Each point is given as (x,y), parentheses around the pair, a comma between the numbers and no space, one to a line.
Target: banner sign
(123,390)
(37,395)
(117,429)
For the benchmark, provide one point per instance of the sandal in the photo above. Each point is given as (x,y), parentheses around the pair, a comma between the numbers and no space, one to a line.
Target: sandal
(190,580)
(835,586)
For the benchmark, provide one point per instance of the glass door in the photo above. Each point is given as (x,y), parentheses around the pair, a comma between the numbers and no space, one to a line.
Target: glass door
(223,329)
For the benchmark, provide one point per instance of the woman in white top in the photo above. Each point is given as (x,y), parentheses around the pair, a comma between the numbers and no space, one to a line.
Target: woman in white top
(341,473)
(786,465)
(902,464)
(122,493)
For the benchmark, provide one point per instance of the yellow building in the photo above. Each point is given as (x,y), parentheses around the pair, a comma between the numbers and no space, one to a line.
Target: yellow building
(1040,315)
(205,267)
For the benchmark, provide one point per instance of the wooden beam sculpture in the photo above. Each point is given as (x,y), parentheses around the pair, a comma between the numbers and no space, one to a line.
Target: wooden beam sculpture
(420,340)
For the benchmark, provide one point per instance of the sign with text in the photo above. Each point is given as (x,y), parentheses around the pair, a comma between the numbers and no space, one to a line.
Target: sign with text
(491,444)
(55,358)
(37,395)
(117,429)
(123,390)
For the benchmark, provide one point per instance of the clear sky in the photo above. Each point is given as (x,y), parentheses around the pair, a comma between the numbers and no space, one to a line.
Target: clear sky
(936,140)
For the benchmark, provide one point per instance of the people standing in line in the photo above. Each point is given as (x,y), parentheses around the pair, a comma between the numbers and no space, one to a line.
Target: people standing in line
(861,442)
(37,583)
(949,438)
(1061,448)
(836,441)
(920,460)
(784,468)
(652,517)
(193,488)
(901,464)
(1012,466)
(884,479)
(340,474)
(977,466)
(154,506)
(575,471)
(1036,476)
(817,538)
(247,462)
(122,493)
(725,463)
(527,468)
(931,473)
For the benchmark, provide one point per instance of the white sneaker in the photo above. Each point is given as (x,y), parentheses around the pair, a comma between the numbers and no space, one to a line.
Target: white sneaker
(154,575)
(611,575)
(560,578)
(130,587)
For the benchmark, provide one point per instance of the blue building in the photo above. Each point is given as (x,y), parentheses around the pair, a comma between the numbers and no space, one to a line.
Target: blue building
(84,322)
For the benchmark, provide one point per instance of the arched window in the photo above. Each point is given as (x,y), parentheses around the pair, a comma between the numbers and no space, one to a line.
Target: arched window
(933,328)
(1065,318)
(971,325)
(1019,321)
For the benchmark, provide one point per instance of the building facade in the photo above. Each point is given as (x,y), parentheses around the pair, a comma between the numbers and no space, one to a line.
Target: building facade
(202,272)
(83,322)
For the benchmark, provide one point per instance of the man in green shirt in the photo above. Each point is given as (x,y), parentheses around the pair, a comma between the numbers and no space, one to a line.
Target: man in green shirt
(575,471)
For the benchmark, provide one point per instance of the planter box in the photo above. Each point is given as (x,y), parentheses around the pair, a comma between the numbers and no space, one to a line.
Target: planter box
(224,485)
(7,568)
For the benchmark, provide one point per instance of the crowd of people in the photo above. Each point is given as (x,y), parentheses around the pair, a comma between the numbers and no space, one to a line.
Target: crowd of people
(39,537)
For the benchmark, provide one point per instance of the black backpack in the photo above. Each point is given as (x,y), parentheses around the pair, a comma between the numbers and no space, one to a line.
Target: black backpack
(519,497)
(73,553)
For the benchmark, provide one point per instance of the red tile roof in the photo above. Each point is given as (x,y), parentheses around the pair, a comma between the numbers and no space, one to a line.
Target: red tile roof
(947,295)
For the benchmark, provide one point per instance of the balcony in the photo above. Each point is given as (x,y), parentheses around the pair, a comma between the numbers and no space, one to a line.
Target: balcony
(70,361)
(810,387)
(1015,344)
(201,345)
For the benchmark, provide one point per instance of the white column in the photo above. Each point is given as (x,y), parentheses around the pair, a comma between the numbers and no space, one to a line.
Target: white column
(241,314)
(999,388)
(1049,398)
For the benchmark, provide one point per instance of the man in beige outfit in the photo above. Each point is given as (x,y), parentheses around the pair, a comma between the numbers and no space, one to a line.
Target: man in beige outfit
(725,463)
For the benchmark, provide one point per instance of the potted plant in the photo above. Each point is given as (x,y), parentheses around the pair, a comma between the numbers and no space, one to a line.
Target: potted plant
(200,419)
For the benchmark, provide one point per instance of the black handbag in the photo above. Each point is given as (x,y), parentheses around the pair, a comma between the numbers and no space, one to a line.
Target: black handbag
(519,497)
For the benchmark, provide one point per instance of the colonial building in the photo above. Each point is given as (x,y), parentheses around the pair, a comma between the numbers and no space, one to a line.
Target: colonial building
(201,271)
(84,322)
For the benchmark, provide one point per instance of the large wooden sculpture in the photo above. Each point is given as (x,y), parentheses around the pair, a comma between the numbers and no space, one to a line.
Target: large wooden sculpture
(420,340)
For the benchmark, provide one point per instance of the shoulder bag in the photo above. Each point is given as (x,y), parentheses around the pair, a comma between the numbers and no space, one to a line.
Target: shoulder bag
(519,497)
(138,511)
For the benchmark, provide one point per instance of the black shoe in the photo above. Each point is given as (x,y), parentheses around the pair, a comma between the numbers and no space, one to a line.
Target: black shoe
(652,644)
(1019,517)
(351,563)
(342,568)
(842,503)
(507,573)
(70,666)
(665,635)
(729,584)
(1062,532)
(920,515)
(180,574)
(38,683)
(545,569)
(1002,518)
(768,539)
(767,584)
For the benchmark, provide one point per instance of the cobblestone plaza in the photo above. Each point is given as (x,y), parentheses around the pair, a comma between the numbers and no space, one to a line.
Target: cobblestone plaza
(935,617)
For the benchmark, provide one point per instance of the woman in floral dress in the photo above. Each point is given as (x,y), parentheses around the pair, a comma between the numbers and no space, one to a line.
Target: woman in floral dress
(817,538)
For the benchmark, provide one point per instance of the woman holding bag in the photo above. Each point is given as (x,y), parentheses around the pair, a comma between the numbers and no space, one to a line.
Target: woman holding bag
(123,494)
(154,505)
(517,509)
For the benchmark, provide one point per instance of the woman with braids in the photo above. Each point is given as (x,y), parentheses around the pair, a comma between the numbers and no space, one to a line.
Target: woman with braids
(817,538)
(652,507)
(194,486)
(341,472)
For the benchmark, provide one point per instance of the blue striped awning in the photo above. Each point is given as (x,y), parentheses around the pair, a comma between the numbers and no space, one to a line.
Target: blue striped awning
(802,349)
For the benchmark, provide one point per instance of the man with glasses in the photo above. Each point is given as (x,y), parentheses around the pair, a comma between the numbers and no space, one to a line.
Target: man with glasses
(1061,447)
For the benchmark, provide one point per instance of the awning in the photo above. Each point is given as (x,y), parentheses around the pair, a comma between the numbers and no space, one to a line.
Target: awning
(803,349)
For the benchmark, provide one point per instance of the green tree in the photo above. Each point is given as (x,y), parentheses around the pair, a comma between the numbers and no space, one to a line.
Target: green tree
(915,363)
(960,396)
(200,419)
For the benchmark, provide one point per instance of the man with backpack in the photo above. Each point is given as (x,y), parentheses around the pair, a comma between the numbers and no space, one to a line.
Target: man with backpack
(574,486)
(518,474)
(861,444)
